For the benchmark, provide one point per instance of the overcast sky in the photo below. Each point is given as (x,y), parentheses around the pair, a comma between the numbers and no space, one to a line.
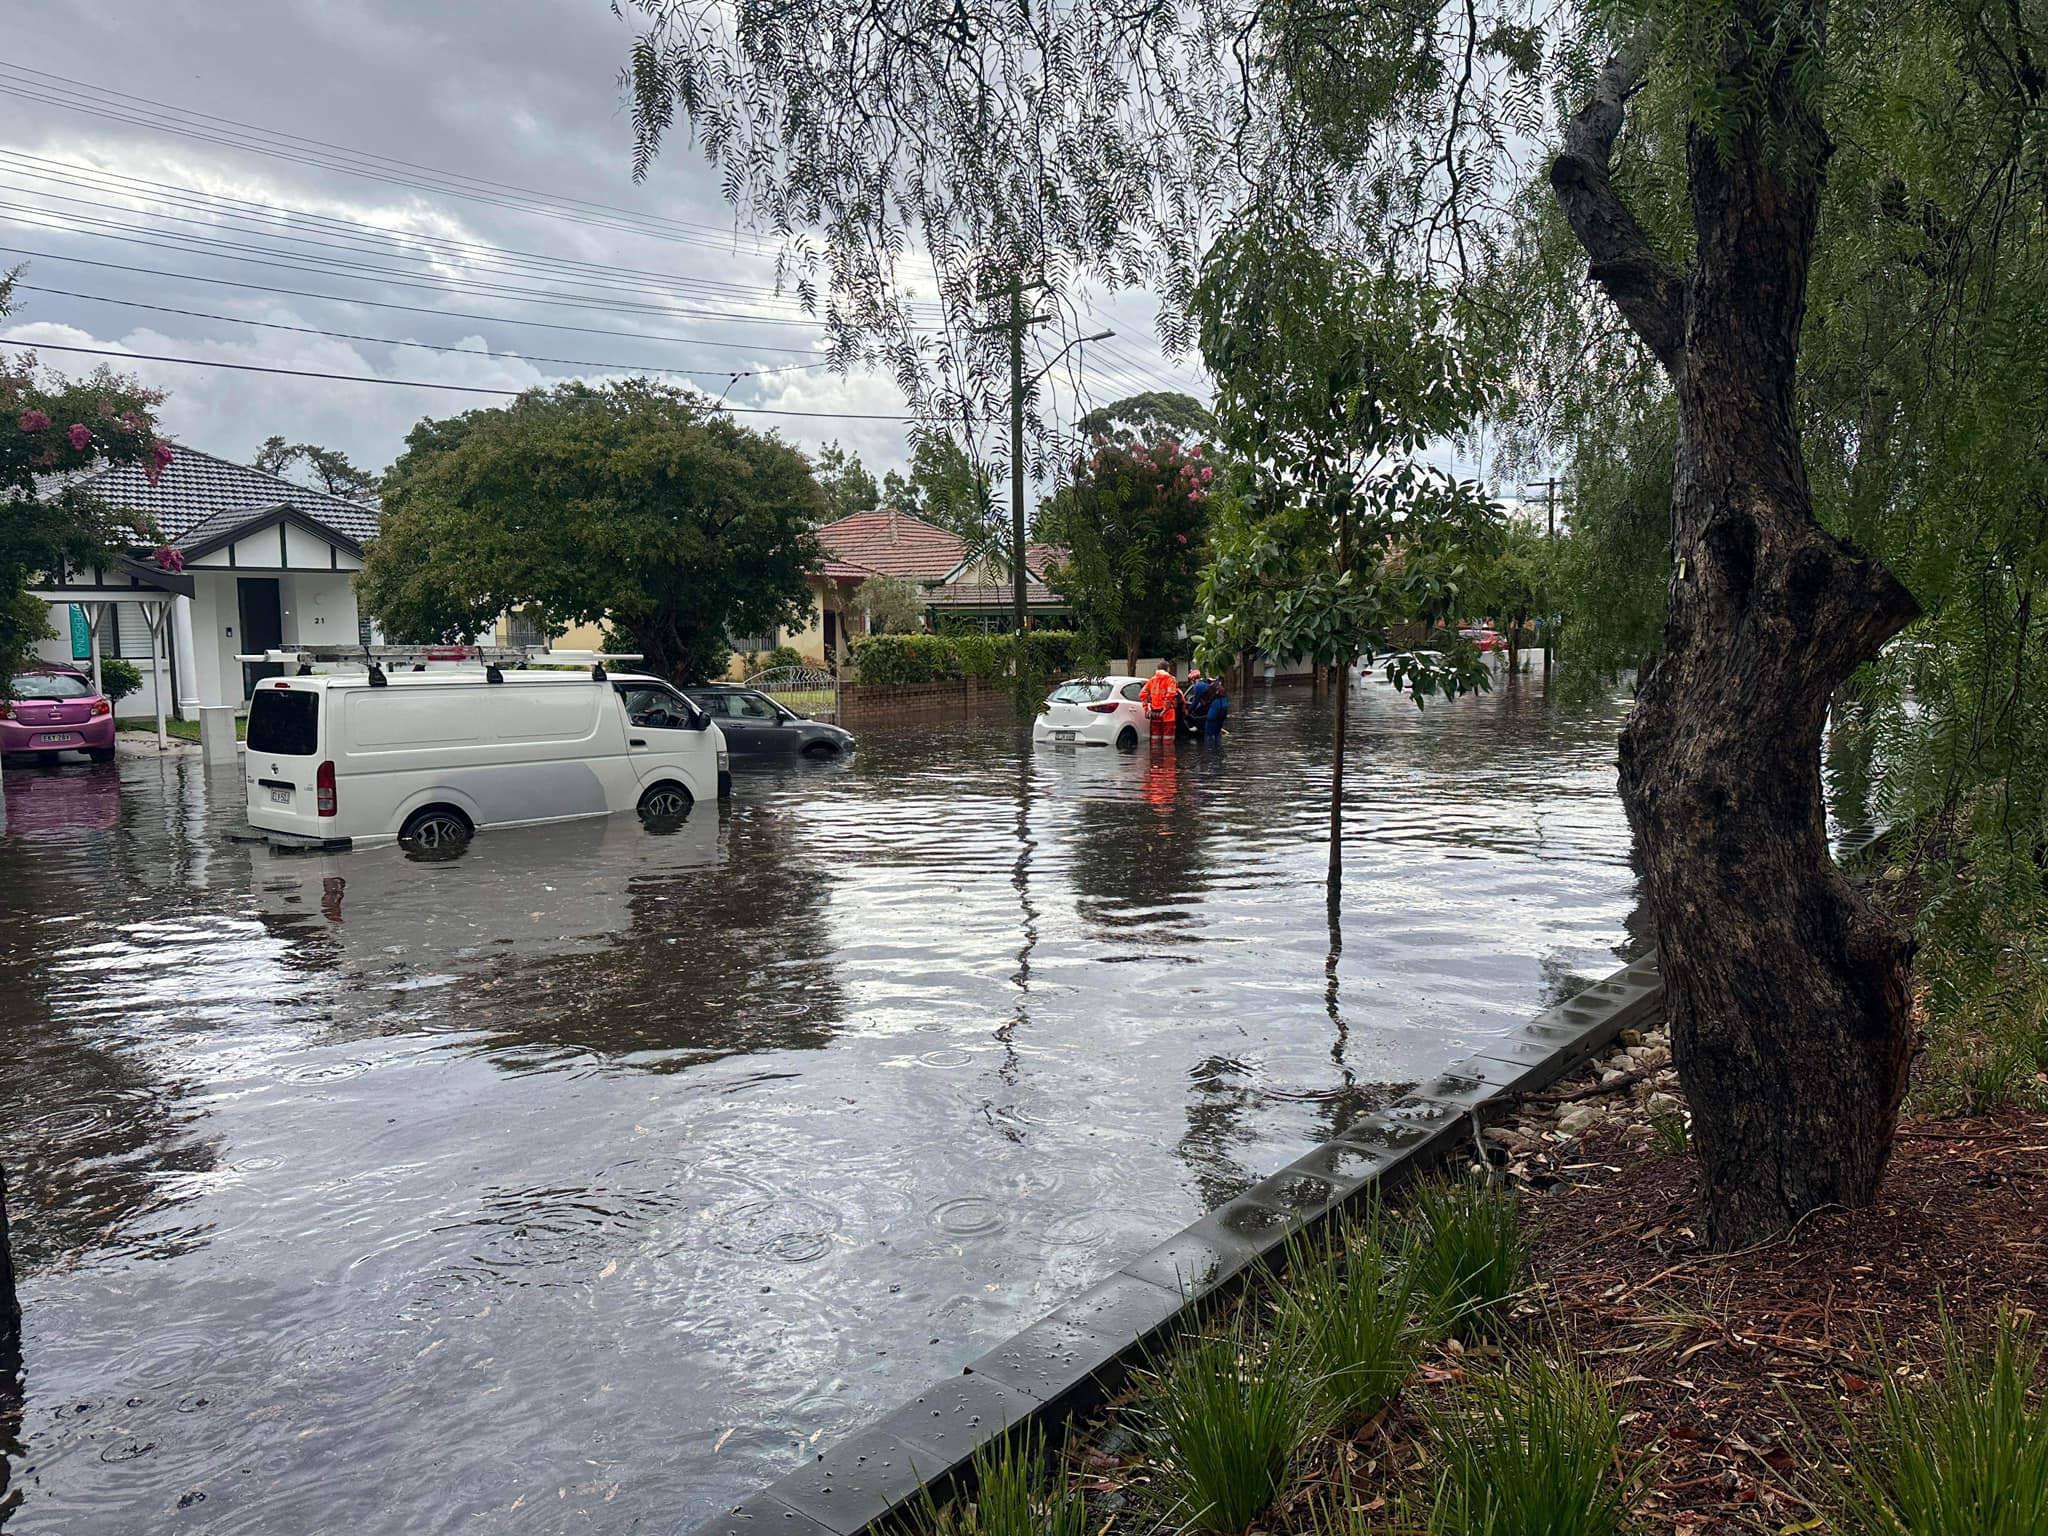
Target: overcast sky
(148,149)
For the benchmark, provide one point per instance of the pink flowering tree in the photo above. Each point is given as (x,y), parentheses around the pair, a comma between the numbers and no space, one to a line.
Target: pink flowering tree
(1133,528)
(51,427)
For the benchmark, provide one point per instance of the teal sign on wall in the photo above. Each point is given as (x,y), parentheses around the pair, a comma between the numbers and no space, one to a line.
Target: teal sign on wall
(81,637)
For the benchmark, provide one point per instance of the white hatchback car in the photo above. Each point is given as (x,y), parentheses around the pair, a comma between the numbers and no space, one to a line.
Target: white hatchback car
(1094,712)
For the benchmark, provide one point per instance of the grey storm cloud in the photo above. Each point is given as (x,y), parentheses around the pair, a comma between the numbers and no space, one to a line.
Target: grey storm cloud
(514,96)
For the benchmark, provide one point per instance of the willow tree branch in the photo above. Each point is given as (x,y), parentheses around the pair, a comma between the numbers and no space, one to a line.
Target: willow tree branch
(1648,291)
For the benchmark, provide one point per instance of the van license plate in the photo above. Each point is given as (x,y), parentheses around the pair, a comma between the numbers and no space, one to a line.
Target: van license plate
(280,797)
(53,738)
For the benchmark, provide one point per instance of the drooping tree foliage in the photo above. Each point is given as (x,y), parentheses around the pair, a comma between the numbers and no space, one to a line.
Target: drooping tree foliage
(1695,156)
(636,505)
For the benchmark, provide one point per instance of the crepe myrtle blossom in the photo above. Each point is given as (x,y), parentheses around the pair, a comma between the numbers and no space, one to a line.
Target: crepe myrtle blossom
(159,461)
(80,435)
(33,420)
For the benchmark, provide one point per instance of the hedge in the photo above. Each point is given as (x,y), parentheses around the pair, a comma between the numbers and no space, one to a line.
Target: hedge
(884,660)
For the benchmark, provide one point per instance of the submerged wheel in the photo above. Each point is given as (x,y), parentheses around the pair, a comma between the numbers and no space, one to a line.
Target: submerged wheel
(436,829)
(665,802)
(819,751)
(1127,739)
(100,754)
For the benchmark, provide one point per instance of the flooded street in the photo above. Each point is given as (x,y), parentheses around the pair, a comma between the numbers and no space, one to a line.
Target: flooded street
(582,1182)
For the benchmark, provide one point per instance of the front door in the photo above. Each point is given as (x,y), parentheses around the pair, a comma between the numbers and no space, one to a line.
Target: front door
(262,629)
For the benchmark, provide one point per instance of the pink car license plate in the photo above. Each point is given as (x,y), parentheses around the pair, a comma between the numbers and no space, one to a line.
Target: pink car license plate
(56,738)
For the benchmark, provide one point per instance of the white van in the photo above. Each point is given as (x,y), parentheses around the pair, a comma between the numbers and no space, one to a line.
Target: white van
(432,757)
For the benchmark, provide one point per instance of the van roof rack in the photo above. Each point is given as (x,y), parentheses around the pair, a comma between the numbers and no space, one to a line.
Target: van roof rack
(377,659)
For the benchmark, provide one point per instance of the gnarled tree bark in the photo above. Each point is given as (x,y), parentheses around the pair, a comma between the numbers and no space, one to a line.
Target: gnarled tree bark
(1788,994)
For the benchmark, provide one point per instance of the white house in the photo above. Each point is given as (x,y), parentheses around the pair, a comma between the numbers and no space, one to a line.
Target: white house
(266,562)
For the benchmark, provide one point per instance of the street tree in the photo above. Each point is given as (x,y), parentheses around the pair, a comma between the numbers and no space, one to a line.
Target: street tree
(1133,522)
(635,504)
(1516,582)
(945,486)
(1080,140)
(1332,381)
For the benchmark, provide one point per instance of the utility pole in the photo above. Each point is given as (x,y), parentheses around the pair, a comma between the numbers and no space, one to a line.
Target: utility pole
(1015,325)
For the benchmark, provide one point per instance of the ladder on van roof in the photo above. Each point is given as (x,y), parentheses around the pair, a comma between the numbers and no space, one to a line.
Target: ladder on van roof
(377,659)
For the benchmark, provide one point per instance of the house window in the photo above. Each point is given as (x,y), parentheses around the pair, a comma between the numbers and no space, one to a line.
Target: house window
(128,635)
(523,629)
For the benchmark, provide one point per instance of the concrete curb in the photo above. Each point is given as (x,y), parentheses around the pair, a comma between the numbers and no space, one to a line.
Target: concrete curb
(1067,1360)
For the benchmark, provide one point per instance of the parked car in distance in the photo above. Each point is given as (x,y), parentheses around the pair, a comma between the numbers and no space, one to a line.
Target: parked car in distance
(430,758)
(56,709)
(1093,712)
(757,725)
(1488,640)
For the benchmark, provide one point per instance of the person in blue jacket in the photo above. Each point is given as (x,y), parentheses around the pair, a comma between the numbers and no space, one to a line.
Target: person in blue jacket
(1195,702)
(1216,713)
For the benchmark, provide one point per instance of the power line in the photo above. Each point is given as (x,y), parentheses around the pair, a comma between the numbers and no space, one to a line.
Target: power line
(410,309)
(288,261)
(223,206)
(359,378)
(392,341)
(326,155)
(240,214)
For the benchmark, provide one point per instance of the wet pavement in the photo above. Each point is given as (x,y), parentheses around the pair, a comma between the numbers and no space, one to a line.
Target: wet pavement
(584,1182)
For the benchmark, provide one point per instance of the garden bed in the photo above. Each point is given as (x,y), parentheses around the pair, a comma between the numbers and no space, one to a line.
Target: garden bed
(1609,1372)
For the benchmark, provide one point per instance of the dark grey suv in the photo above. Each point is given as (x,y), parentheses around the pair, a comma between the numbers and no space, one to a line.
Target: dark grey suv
(756,725)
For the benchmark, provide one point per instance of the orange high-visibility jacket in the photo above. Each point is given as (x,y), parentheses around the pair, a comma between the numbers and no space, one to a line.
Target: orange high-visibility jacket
(1161,694)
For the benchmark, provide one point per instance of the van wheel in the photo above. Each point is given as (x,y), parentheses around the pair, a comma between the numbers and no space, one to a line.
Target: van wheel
(665,802)
(436,829)
(1127,739)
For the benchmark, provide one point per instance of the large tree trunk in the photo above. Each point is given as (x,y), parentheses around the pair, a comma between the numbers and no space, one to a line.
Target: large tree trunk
(1787,993)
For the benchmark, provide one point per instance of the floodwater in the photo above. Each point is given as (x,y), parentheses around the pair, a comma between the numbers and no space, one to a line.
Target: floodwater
(589,1181)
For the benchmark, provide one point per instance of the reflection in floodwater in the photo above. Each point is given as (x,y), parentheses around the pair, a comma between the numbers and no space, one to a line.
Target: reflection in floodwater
(590,1179)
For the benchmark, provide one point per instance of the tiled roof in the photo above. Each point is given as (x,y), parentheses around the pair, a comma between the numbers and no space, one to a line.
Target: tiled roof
(200,495)
(895,544)
(969,594)
(847,570)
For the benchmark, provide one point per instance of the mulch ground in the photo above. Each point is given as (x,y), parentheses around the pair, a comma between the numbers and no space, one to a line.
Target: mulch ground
(1738,1366)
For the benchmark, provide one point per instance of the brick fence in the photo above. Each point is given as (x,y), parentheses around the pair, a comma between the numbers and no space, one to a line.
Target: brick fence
(870,703)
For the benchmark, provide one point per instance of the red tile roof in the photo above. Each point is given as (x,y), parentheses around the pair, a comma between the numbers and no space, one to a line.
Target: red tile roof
(894,543)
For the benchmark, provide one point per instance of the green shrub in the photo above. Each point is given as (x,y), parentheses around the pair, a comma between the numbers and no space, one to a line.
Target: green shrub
(782,656)
(119,677)
(1052,653)
(1344,1313)
(1018,1491)
(1228,1415)
(1529,1450)
(1966,1455)
(1467,1252)
(985,658)
(884,660)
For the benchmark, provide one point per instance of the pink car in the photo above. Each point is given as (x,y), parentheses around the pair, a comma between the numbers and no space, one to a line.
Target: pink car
(55,709)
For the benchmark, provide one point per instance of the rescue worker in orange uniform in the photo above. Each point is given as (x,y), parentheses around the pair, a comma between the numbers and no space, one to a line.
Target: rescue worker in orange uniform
(1161,697)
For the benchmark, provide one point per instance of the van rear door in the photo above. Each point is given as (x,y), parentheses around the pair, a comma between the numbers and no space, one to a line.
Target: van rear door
(283,762)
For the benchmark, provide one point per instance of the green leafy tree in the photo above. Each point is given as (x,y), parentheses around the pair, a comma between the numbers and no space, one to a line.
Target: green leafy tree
(50,428)
(846,482)
(1152,414)
(636,504)
(329,466)
(1517,583)
(1331,382)
(1134,523)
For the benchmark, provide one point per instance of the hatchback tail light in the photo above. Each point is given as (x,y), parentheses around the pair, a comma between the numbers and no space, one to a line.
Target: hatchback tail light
(101,707)
(323,788)
(6,710)
(1102,709)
